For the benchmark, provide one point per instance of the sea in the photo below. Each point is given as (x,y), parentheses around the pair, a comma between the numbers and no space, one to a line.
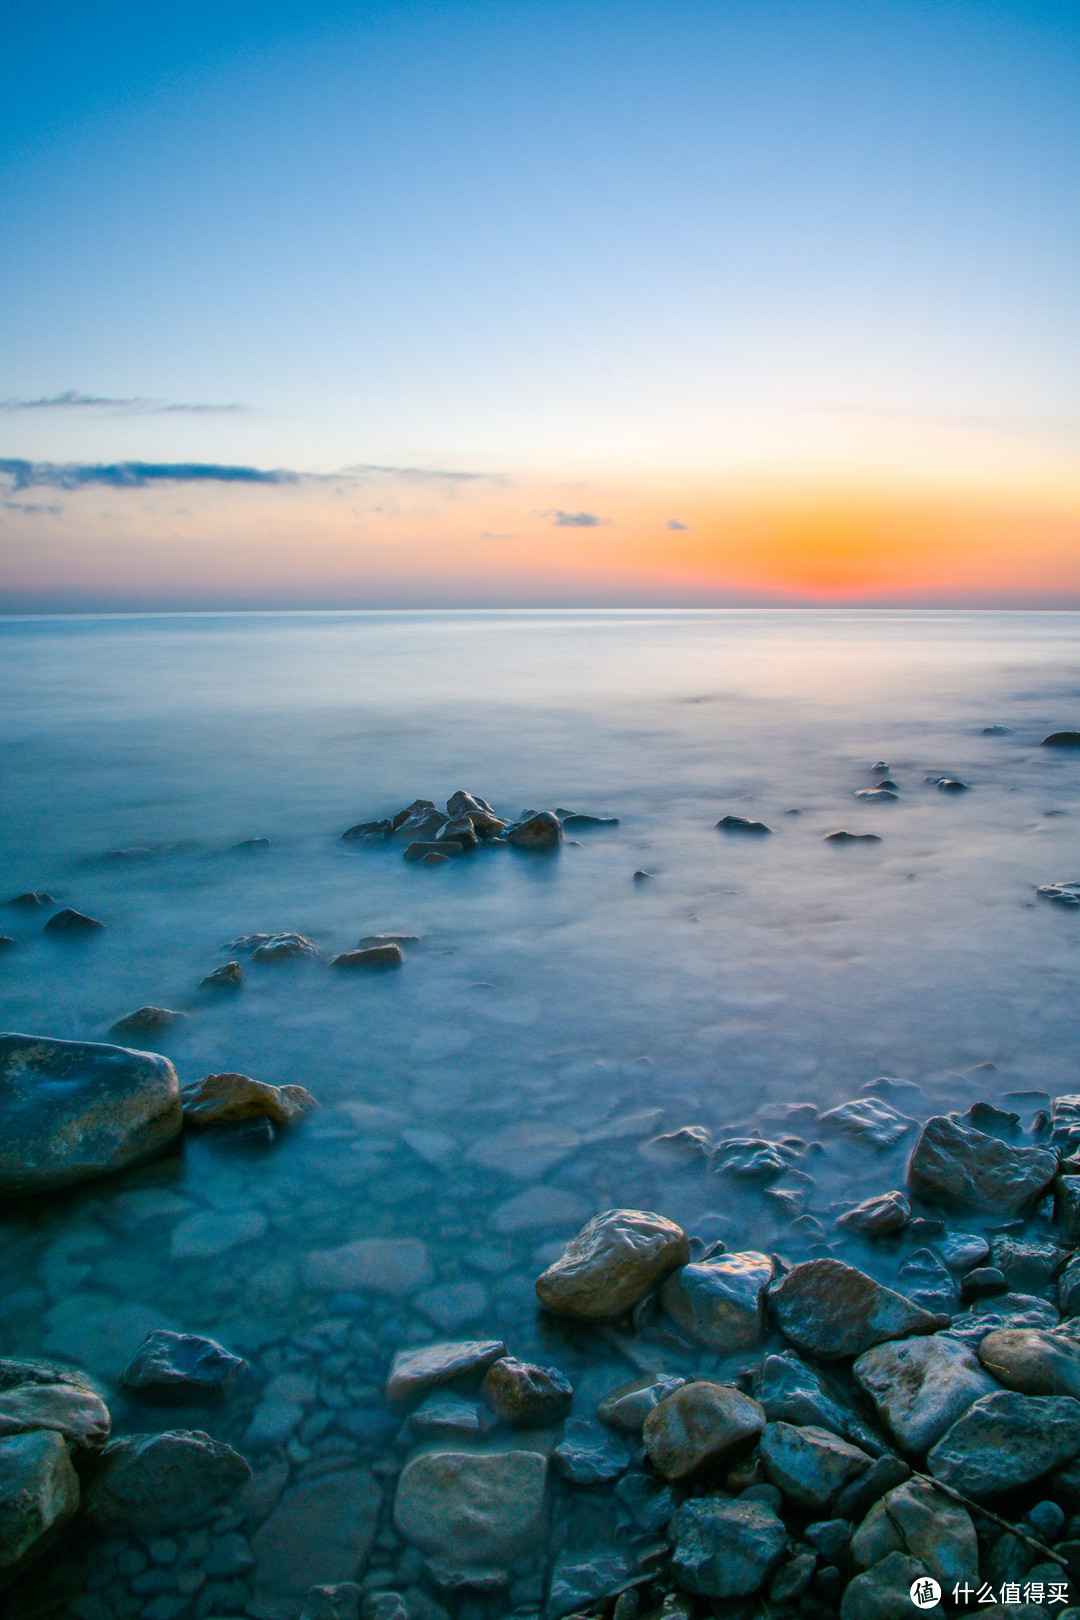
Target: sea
(555,1013)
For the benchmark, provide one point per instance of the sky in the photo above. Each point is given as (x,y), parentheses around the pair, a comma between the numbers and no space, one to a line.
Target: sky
(691,302)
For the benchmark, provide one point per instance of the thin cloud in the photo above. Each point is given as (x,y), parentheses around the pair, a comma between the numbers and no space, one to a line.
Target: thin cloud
(574,520)
(486,534)
(71,399)
(673,523)
(367,469)
(29,506)
(135,474)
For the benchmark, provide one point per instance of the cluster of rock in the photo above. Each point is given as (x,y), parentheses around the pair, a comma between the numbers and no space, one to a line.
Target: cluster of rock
(432,836)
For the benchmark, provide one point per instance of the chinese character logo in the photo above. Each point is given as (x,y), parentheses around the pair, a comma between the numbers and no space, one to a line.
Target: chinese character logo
(925,1592)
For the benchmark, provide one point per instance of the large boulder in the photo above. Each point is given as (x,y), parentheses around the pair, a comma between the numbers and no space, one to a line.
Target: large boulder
(615,1260)
(699,1425)
(952,1163)
(1032,1361)
(916,1519)
(39,1493)
(149,1483)
(72,1110)
(725,1548)
(1005,1441)
(833,1310)
(473,1513)
(720,1303)
(921,1386)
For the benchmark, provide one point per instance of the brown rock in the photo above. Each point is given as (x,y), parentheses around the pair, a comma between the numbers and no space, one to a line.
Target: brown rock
(526,1396)
(225,1099)
(615,1260)
(700,1424)
(832,1310)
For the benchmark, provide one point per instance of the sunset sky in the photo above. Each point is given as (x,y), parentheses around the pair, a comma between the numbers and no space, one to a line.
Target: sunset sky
(689,302)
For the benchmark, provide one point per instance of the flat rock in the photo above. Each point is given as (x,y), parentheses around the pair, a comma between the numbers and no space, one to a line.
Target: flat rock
(149,1483)
(542,830)
(74,1110)
(414,1372)
(884,1592)
(589,1455)
(725,1548)
(615,1260)
(39,1493)
(700,1424)
(879,795)
(367,957)
(955,1164)
(180,1366)
(477,1511)
(720,1303)
(538,1209)
(394,1266)
(77,1414)
(877,1217)
(525,1395)
(915,1519)
(1005,1441)
(791,1391)
(810,1465)
(148,1021)
(226,1099)
(1032,1361)
(920,1386)
(319,1534)
(213,1232)
(867,1119)
(70,921)
(833,1310)
(452,1306)
(627,1407)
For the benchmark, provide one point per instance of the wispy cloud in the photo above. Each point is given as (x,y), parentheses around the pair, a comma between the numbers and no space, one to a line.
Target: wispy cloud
(71,399)
(29,506)
(135,474)
(371,469)
(673,523)
(574,520)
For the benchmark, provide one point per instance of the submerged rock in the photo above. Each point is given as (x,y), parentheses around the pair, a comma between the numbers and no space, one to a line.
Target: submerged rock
(791,1391)
(226,1099)
(70,921)
(589,1455)
(615,1260)
(743,824)
(32,900)
(752,1158)
(539,830)
(281,947)
(73,1110)
(367,832)
(39,1493)
(474,1511)
(953,1163)
(725,1548)
(1005,1441)
(720,1303)
(180,1366)
(878,795)
(833,1310)
(700,1424)
(148,1021)
(920,1386)
(414,1372)
(1066,894)
(526,1396)
(394,1266)
(148,1483)
(627,1407)
(431,853)
(319,1535)
(869,1120)
(370,956)
(228,977)
(1062,739)
(842,836)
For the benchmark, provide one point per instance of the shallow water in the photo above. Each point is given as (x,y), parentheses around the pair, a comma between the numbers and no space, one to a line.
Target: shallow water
(556,1013)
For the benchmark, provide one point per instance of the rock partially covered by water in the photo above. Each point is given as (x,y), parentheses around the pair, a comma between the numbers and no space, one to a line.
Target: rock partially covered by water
(842,836)
(469,806)
(32,900)
(180,1366)
(833,1310)
(149,1483)
(810,1465)
(915,1519)
(1066,894)
(699,1425)
(627,1407)
(538,830)
(228,977)
(227,1099)
(73,1110)
(1005,1441)
(474,1512)
(148,1021)
(278,947)
(956,1164)
(414,1372)
(525,1395)
(790,1390)
(615,1260)
(1032,1361)
(70,921)
(1062,739)
(720,1303)
(389,955)
(725,1548)
(743,824)
(869,1120)
(921,1386)
(877,1217)
(39,1493)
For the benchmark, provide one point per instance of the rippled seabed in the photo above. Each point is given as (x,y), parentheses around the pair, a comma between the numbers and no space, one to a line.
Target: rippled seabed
(555,1014)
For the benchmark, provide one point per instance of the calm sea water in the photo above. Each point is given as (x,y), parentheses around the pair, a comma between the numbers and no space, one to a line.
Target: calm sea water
(556,1012)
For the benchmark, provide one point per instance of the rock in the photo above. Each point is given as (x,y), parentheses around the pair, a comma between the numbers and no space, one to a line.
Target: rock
(927,1282)
(915,1519)
(877,1217)
(202,1236)
(432,853)
(458,832)
(720,1303)
(370,956)
(98,1331)
(868,1120)
(70,921)
(842,836)
(1065,894)
(367,832)
(952,1163)
(793,1577)
(588,1455)
(319,1534)
(1032,1361)
(949,784)
(538,1209)
(878,795)
(857,1498)
(395,1266)
(575,818)
(1068,1289)
(742,824)
(725,1548)
(31,901)
(39,1493)
(1005,1441)
(684,1146)
(76,1413)
(752,1158)
(1067,1208)
(1001,1311)
(73,1110)
(920,1386)
(475,1511)
(542,830)
(148,1021)
(961,1251)
(281,947)
(485,823)
(809,1465)
(649,1503)
(627,1407)
(414,1372)
(180,1366)
(833,1310)
(420,820)
(981,1282)
(524,1395)
(615,1260)
(148,1483)
(453,1305)
(1062,739)
(226,1099)
(228,977)
(831,1537)
(445,1416)
(792,1392)
(341,1602)
(578,1580)
(884,1592)
(1027,1266)
(7,943)
(701,1423)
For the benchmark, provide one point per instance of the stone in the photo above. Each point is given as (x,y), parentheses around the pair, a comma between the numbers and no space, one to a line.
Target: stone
(877,1217)
(1005,1441)
(1032,1361)
(809,1465)
(1027,1266)
(341,1601)
(615,1260)
(1001,1311)
(542,830)
(752,1158)
(884,1592)
(578,1580)
(281,948)
(878,795)
(367,832)
(1062,739)
(920,1386)
(414,1372)
(227,977)
(148,1483)
(74,1110)
(857,1498)
(725,1548)
(867,1119)
(1067,1208)
(31,901)
(627,1407)
(39,1493)
(915,1519)
(1068,1288)
(148,1021)
(687,1145)
(833,1310)
(576,818)
(982,1281)
(394,1266)
(70,921)
(370,956)
(700,1424)
(649,1503)
(477,1511)
(842,836)
(226,1099)
(1065,894)
(445,1416)
(792,1392)
(743,824)
(525,1395)
(927,1282)
(210,1233)
(485,823)
(76,1413)
(453,1305)
(525,1149)
(720,1303)
(538,1209)
(180,1366)
(98,1331)
(432,853)
(831,1537)
(953,1163)
(589,1455)
(963,1251)
(319,1534)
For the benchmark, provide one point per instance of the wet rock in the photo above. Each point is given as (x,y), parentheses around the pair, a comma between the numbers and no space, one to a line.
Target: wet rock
(1001,1311)
(421,820)
(877,1217)
(878,795)
(70,921)
(370,956)
(7,943)
(920,1386)
(615,1260)
(857,1498)
(180,1366)
(578,1580)
(831,1537)
(341,1601)
(202,1236)
(226,1099)
(1062,739)
(228,977)
(725,1548)
(700,1424)
(538,1209)
(649,1503)
(281,947)
(430,852)
(458,832)
(414,1372)
(833,1310)
(74,1110)
(961,1251)
(981,1282)
(720,1303)
(148,1021)
(1027,1266)
(525,1395)
(147,1483)
(752,1158)
(952,1163)
(589,1455)
(687,1145)
(925,1280)
(68,1409)
(39,1493)
(1063,894)
(810,1465)
(842,836)
(444,1416)
(575,818)
(542,830)
(1067,1208)
(319,1534)
(1005,1441)
(31,901)
(792,1392)
(367,832)
(395,1266)
(1068,1290)
(485,823)
(869,1120)
(743,824)
(98,1331)
(473,1511)
(949,784)
(915,1519)
(793,1577)
(627,1407)
(1032,1361)
(884,1592)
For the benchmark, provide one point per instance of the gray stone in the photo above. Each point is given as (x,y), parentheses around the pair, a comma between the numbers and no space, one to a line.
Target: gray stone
(77,1414)
(211,1232)
(955,1164)
(614,1261)
(319,1534)
(869,1120)
(720,1303)
(148,1483)
(1029,1267)
(539,830)
(70,921)
(650,1504)
(963,1251)
(230,976)
(73,1110)
(1001,1311)
(99,1332)
(793,1577)
(278,947)
(627,1407)
(832,1310)
(921,1386)
(1032,1361)
(180,1366)
(701,1423)
(884,1592)
(926,1281)
(859,1497)
(589,1455)
(39,1493)
(370,957)
(414,1372)
(148,1021)
(744,825)
(1005,1441)
(476,1511)
(752,1158)
(877,1217)
(725,1548)
(453,1305)
(525,1395)
(809,1465)
(915,1519)
(444,1416)
(578,1580)
(395,1266)
(485,823)
(1067,1208)
(340,1601)
(792,1392)
(1068,1288)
